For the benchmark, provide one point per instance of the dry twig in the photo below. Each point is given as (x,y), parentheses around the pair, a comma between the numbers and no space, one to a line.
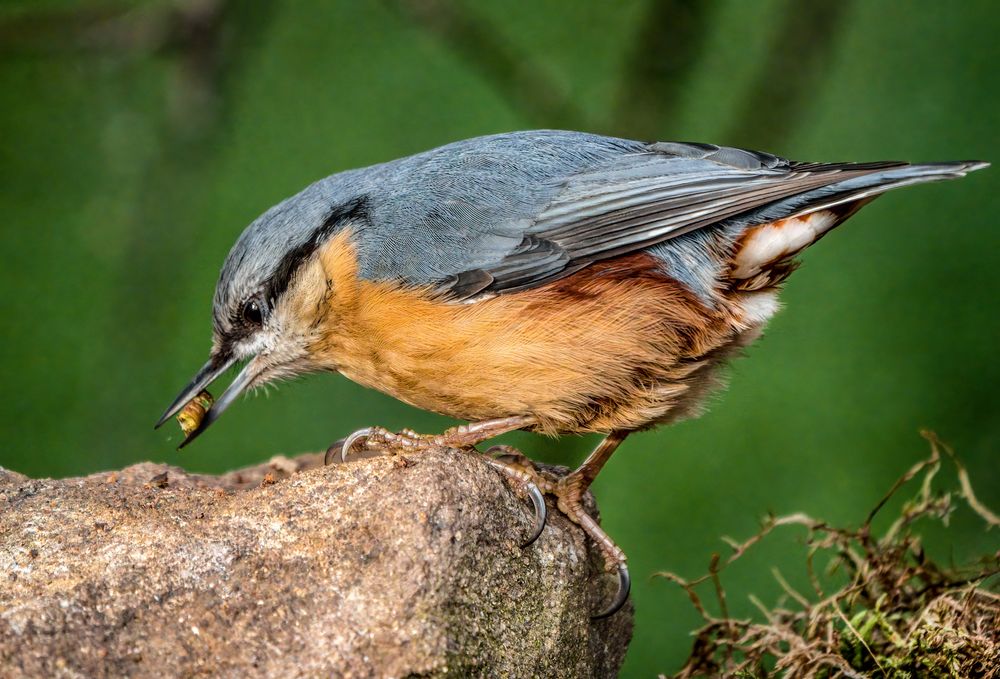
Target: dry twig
(899,615)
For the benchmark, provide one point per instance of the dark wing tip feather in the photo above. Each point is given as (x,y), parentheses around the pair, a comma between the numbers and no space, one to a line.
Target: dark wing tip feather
(743,159)
(964,166)
(467,283)
(533,260)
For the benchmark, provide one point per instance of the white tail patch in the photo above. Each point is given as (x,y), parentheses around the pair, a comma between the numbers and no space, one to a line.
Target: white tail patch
(767,244)
(757,307)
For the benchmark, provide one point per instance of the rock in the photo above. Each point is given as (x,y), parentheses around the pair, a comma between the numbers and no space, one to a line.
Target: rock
(384,566)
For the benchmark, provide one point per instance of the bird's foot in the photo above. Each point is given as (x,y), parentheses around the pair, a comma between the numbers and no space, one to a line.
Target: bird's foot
(568,491)
(378,439)
(526,478)
(465,436)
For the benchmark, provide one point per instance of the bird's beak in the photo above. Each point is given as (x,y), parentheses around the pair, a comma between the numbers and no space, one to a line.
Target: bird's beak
(208,374)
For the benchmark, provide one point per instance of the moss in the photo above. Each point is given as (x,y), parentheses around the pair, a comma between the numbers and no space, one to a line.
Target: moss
(897,614)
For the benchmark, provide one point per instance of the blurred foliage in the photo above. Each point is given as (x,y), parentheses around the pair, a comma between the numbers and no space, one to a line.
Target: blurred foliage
(139,138)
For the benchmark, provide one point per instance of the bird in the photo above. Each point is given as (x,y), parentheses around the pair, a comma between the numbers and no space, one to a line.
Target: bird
(551,281)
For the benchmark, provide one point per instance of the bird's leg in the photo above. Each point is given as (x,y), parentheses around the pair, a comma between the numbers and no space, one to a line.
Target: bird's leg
(569,491)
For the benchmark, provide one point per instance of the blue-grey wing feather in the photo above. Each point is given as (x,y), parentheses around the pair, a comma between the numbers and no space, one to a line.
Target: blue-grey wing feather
(512,212)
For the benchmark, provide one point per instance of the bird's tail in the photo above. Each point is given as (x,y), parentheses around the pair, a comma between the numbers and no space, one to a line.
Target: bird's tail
(781,230)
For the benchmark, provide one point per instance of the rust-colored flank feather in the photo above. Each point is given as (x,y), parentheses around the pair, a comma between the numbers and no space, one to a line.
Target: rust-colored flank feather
(616,346)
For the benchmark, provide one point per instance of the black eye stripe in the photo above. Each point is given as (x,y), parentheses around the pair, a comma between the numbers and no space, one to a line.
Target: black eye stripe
(239,327)
(354,211)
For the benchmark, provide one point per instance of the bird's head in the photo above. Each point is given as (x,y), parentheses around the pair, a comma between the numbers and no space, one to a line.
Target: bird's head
(269,301)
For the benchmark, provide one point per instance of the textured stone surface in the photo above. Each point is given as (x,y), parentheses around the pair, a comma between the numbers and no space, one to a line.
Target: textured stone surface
(384,566)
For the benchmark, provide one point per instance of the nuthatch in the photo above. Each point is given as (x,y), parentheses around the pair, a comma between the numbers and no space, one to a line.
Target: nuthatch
(555,282)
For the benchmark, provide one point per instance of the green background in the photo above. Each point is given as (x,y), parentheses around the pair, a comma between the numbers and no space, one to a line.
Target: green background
(137,140)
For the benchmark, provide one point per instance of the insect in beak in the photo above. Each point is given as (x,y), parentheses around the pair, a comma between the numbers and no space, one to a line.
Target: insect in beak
(208,374)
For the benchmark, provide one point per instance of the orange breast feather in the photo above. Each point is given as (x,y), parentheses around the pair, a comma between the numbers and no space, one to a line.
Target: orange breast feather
(614,346)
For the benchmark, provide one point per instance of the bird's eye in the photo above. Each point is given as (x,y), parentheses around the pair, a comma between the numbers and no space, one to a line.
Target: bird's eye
(252,313)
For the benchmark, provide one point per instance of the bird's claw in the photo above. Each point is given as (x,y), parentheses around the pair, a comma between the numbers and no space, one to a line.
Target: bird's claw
(514,465)
(621,596)
(374,438)
(344,446)
(534,494)
(356,437)
(541,513)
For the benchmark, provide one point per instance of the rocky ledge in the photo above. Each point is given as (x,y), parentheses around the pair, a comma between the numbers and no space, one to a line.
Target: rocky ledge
(383,566)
